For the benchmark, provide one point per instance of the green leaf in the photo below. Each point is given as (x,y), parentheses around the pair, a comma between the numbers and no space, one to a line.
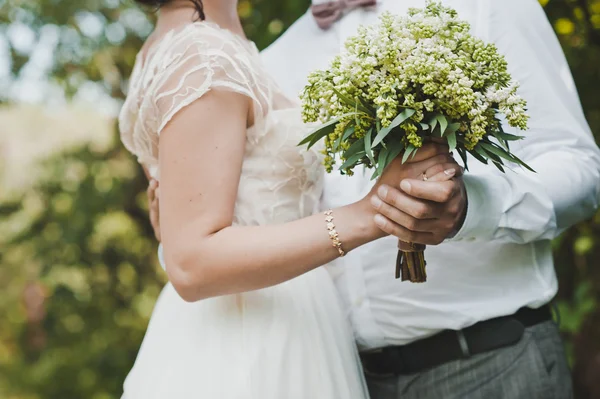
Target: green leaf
(395,148)
(369,146)
(409,150)
(451,138)
(490,155)
(433,121)
(336,145)
(348,132)
(523,164)
(357,146)
(480,158)
(308,139)
(374,175)
(452,128)
(320,132)
(366,107)
(499,166)
(424,126)
(383,155)
(503,143)
(355,103)
(498,151)
(496,160)
(443,124)
(381,163)
(463,155)
(323,130)
(479,150)
(352,160)
(507,136)
(401,117)
(503,138)
(500,128)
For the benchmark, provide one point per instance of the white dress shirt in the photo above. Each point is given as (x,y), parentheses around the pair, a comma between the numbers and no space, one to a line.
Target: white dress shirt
(501,259)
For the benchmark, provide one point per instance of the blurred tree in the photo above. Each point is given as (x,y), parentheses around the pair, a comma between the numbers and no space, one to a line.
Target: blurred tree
(577,254)
(79,275)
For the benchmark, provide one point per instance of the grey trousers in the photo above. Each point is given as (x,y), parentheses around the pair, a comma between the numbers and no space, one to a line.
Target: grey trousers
(534,368)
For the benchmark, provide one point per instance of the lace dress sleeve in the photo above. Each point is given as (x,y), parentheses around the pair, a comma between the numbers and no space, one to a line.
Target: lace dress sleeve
(185,66)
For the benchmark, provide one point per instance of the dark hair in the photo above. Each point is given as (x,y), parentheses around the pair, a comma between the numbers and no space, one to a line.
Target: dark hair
(159,3)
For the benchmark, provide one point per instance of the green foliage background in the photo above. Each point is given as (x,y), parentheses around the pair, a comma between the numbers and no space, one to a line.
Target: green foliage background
(78,269)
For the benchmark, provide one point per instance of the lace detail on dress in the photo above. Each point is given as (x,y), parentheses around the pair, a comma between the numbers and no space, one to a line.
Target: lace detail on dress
(183,66)
(280,181)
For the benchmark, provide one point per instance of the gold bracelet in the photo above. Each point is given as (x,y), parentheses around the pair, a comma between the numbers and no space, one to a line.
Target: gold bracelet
(333,234)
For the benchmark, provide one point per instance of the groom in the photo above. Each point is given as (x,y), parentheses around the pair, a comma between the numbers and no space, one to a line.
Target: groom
(480,327)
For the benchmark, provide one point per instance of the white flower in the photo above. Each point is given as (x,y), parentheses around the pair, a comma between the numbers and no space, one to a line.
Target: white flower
(427,60)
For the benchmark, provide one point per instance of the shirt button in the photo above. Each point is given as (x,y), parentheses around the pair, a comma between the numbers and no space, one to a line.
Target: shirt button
(358,302)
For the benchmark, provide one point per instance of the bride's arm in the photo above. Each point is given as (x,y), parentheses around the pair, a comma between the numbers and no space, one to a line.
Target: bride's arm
(201,154)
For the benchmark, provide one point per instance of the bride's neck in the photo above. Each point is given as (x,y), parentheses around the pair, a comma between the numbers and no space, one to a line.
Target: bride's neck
(222,12)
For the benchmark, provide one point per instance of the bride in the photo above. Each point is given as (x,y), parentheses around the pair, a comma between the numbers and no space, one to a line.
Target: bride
(247,312)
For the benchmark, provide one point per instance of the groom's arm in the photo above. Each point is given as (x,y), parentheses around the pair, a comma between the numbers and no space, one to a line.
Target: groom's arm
(521,206)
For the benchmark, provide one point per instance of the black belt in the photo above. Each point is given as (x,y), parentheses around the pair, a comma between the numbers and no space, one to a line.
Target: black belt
(450,345)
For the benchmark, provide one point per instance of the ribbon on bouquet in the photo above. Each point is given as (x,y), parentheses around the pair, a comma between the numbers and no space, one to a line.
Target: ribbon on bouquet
(327,13)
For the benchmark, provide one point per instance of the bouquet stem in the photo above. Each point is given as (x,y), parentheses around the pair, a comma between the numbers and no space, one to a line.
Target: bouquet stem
(410,264)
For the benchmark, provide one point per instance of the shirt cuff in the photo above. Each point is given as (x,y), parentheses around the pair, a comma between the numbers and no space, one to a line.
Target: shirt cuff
(484,208)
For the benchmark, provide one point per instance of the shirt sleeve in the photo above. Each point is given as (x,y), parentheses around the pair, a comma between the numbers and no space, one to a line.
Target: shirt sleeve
(521,206)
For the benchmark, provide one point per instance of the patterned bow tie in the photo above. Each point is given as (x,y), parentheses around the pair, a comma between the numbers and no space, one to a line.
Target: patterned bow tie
(327,13)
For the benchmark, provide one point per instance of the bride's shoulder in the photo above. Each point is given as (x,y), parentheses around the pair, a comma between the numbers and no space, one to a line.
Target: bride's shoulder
(202,46)
(207,38)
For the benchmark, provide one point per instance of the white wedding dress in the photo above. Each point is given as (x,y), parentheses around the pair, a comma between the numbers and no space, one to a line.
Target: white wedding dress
(290,341)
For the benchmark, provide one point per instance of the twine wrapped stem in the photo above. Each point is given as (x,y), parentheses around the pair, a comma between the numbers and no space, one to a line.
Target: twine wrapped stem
(410,263)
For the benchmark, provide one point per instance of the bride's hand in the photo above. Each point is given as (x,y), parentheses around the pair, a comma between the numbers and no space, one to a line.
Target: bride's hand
(412,216)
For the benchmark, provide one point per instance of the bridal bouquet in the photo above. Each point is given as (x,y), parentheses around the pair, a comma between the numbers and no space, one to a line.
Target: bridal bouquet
(404,81)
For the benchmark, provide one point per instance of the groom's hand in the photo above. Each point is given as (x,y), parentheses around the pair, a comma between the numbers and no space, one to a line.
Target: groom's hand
(423,211)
